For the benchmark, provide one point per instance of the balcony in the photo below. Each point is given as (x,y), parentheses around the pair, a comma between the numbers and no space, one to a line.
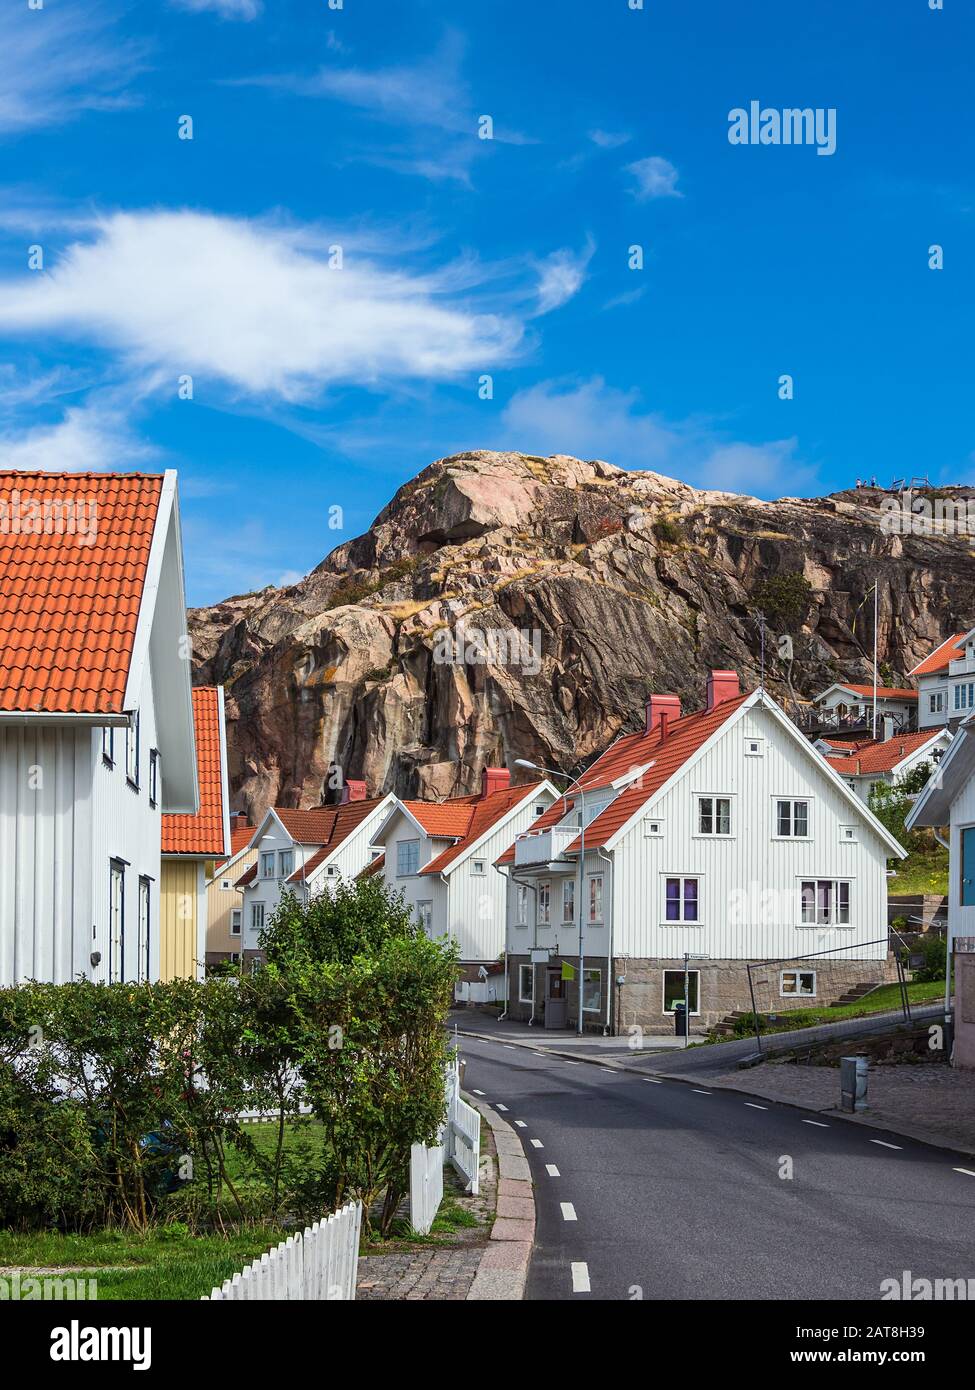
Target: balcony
(542,846)
(964,666)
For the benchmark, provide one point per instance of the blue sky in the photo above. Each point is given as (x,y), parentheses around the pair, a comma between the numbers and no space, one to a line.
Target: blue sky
(317,385)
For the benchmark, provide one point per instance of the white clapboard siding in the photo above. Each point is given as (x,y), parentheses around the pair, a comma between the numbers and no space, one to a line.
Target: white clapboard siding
(318,1264)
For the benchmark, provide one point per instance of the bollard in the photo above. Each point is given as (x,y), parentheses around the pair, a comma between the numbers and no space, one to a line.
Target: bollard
(853,1082)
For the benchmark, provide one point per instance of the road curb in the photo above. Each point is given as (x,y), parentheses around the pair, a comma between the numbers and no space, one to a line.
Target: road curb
(503,1271)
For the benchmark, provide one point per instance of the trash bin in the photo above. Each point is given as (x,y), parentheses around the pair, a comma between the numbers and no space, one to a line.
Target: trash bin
(680,1018)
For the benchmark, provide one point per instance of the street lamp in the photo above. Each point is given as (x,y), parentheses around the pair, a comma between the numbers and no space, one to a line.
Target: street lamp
(551,772)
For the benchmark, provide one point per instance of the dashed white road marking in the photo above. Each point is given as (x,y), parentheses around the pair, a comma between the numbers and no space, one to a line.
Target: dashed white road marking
(609,1069)
(752,1106)
(537,1144)
(884,1145)
(568,1211)
(818,1123)
(499,1106)
(699,1092)
(522,1124)
(569,1063)
(510,1046)
(580,1277)
(967,1171)
(653,1081)
(478,1093)
(553,1172)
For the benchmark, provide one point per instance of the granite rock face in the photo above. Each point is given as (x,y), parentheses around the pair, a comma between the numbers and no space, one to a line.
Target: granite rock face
(504,605)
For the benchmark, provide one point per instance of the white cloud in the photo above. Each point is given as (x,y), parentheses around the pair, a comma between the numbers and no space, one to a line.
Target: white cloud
(59,61)
(609,139)
(93,437)
(561,276)
(592,420)
(653,178)
(226,9)
(251,305)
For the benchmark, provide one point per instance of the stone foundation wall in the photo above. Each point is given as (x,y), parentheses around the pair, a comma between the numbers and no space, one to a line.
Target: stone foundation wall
(592,1022)
(964,1055)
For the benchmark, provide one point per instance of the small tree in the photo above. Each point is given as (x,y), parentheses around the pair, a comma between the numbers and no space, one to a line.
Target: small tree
(891,802)
(784,599)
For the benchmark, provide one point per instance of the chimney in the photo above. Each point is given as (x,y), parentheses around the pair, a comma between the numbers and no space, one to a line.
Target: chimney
(666,707)
(888,727)
(239,821)
(494,779)
(352,791)
(722,685)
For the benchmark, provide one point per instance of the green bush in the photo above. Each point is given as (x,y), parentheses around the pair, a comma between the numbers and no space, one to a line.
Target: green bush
(784,599)
(934,949)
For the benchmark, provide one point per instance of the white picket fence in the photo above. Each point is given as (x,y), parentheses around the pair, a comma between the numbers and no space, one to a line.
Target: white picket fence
(321,1263)
(426,1185)
(459,1143)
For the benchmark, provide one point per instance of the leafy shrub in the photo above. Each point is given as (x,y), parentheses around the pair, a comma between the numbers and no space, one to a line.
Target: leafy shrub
(784,599)
(934,949)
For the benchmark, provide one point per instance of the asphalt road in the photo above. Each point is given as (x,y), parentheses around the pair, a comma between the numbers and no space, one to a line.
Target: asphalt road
(661,1190)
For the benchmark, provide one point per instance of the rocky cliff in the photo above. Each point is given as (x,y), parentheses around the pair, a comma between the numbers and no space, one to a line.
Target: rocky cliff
(505,606)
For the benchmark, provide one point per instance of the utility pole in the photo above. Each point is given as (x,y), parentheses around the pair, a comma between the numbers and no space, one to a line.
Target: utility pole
(876,592)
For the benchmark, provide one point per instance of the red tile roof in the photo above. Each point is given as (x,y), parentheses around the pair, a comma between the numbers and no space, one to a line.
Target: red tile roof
(376,867)
(880,756)
(683,739)
(884,692)
(69,608)
(203,833)
(939,658)
(336,827)
(482,813)
(248,876)
(443,819)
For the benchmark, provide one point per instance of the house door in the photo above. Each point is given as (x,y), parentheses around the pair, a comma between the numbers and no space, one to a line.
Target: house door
(116,925)
(556,1005)
(967,896)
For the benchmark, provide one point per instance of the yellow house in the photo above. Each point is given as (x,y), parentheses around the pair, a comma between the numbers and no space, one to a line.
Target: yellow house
(225,898)
(190,844)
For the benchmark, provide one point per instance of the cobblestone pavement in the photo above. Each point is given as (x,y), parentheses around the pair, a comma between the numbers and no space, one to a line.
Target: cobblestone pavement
(442,1272)
(926,1101)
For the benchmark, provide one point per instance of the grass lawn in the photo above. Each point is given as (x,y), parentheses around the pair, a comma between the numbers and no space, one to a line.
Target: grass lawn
(922,872)
(883,1000)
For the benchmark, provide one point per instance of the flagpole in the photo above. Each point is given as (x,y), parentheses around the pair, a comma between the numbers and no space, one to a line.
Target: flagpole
(876,590)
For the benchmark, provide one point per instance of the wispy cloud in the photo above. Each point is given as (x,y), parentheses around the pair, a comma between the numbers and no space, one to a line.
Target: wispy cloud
(61,60)
(253,306)
(561,276)
(609,139)
(95,437)
(226,9)
(653,177)
(593,420)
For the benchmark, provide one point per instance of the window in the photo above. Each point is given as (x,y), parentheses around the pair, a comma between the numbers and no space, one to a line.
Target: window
(792,819)
(681,900)
(596,898)
(674,989)
(825,902)
(145,892)
(132,750)
(267,864)
(797,982)
(936,702)
(235,958)
(407,857)
(754,747)
(526,980)
(257,916)
(713,815)
(286,862)
(477,866)
(108,745)
(965,695)
(424,915)
(591,991)
(848,834)
(653,827)
(153,776)
(235,920)
(544,903)
(225,885)
(569,900)
(116,922)
(540,809)
(521,906)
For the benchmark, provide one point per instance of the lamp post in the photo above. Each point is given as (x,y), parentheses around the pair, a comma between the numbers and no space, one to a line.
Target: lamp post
(551,772)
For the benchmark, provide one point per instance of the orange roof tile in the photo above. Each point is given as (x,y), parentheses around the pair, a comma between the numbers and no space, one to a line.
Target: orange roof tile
(683,739)
(484,812)
(376,867)
(203,833)
(939,658)
(341,822)
(448,819)
(880,756)
(74,548)
(248,876)
(884,692)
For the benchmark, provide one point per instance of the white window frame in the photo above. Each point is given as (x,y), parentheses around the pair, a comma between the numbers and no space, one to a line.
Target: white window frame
(695,1013)
(424,915)
(652,829)
(797,993)
(477,867)
(792,802)
(267,854)
(108,745)
(521,904)
(714,801)
(153,777)
(237,912)
(286,856)
(683,921)
(754,746)
(132,751)
(257,916)
(835,885)
(569,888)
(529,997)
(407,851)
(225,885)
(936,702)
(145,927)
(588,973)
(848,835)
(545,903)
(597,895)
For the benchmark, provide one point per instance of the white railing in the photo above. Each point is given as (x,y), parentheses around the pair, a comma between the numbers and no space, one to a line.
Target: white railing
(321,1263)
(542,846)
(426,1185)
(462,1135)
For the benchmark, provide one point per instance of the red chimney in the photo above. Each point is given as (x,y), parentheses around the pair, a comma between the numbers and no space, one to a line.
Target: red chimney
(722,685)
(238,820)
(494,779)
(352,791)
(658,705)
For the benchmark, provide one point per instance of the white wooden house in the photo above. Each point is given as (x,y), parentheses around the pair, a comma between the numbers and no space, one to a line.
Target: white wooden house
(441,856)
(307,852)
(864,762)
(946,682)
(96,720)
(722,834)
(845,704)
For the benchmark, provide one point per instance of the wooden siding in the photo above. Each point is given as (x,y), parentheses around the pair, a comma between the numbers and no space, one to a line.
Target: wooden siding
(180,919)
